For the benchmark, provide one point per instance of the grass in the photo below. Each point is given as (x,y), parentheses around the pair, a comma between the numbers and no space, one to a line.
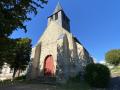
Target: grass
(9,82)
(72,84)
(82,85)
(68,86)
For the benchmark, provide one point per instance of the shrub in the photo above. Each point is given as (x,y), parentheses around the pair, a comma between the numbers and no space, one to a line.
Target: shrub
(97,75)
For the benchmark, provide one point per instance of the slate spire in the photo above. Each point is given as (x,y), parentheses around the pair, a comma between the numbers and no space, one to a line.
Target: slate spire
(60,18)
(58,8)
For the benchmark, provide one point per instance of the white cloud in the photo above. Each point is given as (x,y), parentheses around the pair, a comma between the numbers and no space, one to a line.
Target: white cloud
(95,60)
(98,61)
(102,61)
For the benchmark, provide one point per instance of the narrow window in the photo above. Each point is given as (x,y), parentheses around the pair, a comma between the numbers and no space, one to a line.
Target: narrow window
(0,71)
(51,17)
(63,16)
(56,16)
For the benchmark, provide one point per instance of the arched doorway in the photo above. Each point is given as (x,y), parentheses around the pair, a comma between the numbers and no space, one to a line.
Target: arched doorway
(49,66)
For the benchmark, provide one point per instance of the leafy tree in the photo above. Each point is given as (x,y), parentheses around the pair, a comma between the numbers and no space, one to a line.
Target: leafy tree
(21,55)
(13,14)
(113,57)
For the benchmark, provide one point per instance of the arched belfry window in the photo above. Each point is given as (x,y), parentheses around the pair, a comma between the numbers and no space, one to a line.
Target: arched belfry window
(56,16)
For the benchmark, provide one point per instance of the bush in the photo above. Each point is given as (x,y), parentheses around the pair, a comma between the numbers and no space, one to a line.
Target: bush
(97,75)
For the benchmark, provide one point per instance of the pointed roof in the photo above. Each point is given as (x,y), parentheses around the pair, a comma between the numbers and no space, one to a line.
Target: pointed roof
(58,8)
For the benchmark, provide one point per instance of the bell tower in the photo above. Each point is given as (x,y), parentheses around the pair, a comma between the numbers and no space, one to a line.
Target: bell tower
(60,18)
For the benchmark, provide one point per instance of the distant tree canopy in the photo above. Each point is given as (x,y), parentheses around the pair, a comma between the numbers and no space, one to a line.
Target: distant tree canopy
(113,57)
(13,14)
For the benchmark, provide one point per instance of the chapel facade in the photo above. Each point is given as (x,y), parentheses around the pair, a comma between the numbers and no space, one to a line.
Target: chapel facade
(58,53)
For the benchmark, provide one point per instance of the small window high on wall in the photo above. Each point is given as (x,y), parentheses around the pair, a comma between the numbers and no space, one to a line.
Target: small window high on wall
(0,71)
(56,16)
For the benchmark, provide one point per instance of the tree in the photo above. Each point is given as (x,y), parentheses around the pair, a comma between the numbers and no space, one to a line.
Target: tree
(113,57)
(6,50)
(20,55)
(13,14)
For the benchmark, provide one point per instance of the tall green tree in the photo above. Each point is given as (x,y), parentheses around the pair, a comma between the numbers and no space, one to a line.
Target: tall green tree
(13,14)
(113,57)
(20,55)
(6,50)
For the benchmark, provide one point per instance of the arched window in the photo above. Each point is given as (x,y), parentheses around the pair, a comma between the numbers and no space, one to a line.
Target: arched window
(56,16)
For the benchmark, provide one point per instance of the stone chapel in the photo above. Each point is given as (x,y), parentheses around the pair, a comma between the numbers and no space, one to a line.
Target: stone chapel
(58,53)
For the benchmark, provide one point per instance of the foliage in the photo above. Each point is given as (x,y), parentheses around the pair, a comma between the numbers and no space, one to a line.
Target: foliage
(115,70)
(6,49)
(97,75)
(21,77)
(16,53)
(3,82)
(14,14)
(21,53)
(113,57)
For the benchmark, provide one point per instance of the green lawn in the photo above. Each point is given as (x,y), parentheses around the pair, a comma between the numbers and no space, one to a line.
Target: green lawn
(74,86)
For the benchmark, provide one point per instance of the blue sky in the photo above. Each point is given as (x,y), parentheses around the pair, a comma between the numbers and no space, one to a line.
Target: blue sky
(96,23)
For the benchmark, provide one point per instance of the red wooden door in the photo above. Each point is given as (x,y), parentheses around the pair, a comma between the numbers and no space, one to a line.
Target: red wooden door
(49,66)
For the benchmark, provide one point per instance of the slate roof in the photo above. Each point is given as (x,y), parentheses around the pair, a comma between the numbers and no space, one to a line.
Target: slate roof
(58,8)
